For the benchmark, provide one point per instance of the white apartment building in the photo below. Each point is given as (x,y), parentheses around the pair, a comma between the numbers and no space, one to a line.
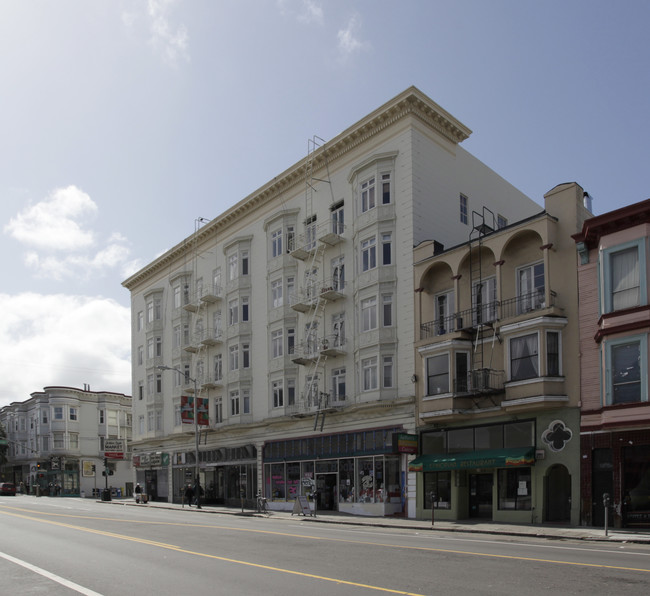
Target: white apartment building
(291,315)
(57,438)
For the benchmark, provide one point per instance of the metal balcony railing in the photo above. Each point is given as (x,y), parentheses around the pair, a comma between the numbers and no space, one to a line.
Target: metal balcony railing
(486,314)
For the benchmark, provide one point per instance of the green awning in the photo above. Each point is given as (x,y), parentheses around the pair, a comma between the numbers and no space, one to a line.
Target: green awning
(492,458)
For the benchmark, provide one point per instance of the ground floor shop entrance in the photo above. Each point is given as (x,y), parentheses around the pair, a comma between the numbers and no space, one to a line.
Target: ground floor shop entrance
(480,495)
(326,486)
(558,494)
(368,484)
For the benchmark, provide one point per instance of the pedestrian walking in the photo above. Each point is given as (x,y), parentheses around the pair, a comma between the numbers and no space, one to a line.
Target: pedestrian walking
(138,492)
(189,495)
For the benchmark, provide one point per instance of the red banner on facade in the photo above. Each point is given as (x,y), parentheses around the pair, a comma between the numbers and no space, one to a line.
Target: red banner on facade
(187,410)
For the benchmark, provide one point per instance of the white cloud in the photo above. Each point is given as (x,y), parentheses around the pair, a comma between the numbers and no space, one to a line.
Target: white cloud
(311,12)
(60,246)
(304,11)
(55,223)
(173,43)
(349,42)
(63,340)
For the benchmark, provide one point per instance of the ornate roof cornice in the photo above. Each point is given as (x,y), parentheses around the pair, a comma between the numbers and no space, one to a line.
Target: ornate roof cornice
(410,103)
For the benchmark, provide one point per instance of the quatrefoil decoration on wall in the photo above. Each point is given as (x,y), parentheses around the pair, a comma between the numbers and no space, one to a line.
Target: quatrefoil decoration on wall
(557,435)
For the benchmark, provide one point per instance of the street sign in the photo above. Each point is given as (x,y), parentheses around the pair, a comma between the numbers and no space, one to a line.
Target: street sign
(114,448)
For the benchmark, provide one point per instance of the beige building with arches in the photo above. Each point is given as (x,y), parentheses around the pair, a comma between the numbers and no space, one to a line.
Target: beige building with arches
(498,387)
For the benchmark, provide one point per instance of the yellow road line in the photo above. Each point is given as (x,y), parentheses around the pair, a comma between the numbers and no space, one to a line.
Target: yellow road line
(342,540)
(214,557)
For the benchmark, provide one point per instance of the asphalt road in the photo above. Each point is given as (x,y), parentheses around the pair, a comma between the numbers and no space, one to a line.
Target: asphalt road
(71,546)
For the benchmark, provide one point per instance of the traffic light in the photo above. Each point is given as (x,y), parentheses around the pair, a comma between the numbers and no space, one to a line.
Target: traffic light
(93,467)
(38,466)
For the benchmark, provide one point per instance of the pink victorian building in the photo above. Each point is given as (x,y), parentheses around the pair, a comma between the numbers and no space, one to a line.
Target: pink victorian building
(614,319)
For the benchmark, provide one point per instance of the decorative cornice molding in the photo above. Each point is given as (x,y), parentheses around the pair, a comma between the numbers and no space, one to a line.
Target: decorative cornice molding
(410,103)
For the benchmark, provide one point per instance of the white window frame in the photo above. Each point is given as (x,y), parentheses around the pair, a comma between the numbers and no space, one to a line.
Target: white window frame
(432,387)
(510,356)
(277,393)
(276,293)
(609,345)
(443,306)
(607,274)
(368,194)
(338,383)
(388,371)
(559,352)
(485,309)
(276,243)
(369,254)
(369,374)
(532,296)
(386,188)
(234,402)
(464,209)
(387,311)
(386,248)
(277,343)
(368,314)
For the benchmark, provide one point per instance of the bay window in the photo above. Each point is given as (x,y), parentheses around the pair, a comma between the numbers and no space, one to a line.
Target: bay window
(368,254)
(626,370)
(437,374)
(624,276)
(524,359)
(369,313)
(369,373)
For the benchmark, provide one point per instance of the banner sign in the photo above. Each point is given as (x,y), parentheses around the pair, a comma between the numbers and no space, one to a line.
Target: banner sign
(405,443)
(187,410)
(114,448)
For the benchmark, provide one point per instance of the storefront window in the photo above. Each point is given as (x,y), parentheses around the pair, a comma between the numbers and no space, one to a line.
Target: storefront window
(460,440)
(636,484)
(278,487)
(346,481)
(392,480)
(307,477)
(514,489)
(437,490)
(488,437)
(519,434)
(293,480)
(434,442)
(380,490)
(366,480)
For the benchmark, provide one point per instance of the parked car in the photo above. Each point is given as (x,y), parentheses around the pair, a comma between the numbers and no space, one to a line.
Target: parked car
(7,489)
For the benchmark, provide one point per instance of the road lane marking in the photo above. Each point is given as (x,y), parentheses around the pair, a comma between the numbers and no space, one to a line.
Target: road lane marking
(51,576)
(315,538)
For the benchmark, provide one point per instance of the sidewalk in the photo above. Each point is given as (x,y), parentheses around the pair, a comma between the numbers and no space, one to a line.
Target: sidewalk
(484,527)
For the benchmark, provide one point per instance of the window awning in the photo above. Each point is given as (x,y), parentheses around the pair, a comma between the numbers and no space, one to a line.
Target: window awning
(492,458)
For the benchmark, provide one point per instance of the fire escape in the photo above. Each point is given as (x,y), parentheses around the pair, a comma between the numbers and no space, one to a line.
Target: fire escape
(481,320)
(315,292)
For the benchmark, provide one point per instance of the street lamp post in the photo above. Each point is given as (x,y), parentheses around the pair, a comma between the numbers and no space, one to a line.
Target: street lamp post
(197,482)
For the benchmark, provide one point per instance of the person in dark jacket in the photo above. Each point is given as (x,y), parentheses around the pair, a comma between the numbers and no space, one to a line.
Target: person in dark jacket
(189,495)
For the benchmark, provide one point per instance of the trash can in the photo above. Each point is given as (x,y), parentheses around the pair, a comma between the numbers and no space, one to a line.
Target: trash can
(106,494)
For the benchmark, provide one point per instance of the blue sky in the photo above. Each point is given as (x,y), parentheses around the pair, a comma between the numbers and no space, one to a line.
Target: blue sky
(123,121)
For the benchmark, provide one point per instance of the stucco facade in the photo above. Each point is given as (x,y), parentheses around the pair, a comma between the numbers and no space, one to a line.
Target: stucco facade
(293,312)
(498,392)
(57,438)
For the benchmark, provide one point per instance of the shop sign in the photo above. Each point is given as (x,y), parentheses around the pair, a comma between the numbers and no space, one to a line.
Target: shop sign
(158,460)
(405,443)
(114,448)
